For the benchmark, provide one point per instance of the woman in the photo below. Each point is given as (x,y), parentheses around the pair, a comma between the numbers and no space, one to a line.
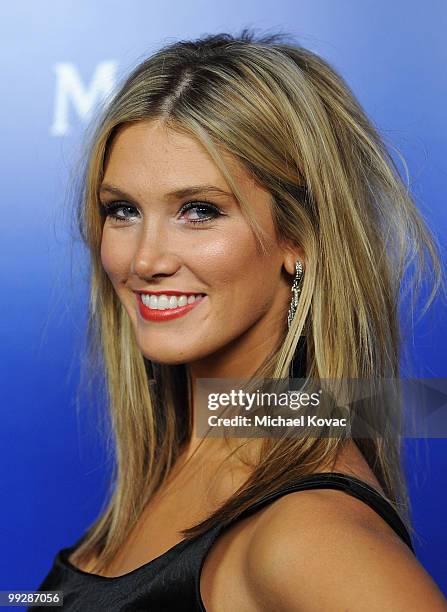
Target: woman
(225,172)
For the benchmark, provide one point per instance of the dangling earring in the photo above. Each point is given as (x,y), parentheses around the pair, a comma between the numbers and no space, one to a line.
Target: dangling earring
(296,290)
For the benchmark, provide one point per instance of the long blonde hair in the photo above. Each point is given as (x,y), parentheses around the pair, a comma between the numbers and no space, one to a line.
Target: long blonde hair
(287,116)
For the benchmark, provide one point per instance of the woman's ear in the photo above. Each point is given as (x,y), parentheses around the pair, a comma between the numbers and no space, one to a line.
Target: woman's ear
(291,254)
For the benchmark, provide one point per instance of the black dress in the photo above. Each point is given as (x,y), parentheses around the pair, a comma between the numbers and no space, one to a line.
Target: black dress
(171,582)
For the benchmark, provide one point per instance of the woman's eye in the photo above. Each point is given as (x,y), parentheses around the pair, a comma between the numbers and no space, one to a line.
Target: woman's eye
(193,212)
(209,211)
(117,211)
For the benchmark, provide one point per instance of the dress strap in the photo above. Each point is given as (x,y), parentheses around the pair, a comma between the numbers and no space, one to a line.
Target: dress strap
(349,484)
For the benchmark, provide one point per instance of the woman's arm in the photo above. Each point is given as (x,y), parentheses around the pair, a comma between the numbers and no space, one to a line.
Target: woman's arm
(325,551)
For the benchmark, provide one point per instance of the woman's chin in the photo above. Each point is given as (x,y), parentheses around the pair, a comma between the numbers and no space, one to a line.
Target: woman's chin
(168,357)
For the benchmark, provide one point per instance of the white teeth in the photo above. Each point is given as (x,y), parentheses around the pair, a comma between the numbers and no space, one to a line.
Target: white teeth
(164,302)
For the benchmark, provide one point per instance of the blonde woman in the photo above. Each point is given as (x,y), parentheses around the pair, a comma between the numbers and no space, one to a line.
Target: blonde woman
(224,172)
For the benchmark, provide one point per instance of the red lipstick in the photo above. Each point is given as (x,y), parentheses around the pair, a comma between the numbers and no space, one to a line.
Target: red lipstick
(153,314)
(150,291)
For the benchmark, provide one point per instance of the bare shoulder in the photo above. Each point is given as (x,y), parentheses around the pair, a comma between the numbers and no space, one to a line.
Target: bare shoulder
(323,549)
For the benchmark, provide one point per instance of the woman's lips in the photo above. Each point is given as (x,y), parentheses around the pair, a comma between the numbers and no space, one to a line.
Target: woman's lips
(153,314)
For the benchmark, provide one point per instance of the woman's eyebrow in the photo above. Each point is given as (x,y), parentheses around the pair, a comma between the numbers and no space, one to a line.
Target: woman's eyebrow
(195,189)
(177,193)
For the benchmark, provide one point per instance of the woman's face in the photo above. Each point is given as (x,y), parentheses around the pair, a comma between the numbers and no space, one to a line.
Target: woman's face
(198,243)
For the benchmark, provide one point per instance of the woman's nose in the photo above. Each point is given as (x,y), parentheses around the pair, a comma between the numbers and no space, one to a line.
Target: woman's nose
(155,251)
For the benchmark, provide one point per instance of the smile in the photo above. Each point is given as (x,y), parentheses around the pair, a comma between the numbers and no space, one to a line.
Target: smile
(165,307)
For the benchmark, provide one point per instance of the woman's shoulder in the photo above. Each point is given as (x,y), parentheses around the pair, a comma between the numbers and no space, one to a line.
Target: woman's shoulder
(325,550)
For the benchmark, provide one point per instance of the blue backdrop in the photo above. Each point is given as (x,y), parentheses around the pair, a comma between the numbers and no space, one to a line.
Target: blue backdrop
(58,61)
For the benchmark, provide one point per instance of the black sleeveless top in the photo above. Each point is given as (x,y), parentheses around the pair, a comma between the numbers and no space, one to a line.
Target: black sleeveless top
(171,582)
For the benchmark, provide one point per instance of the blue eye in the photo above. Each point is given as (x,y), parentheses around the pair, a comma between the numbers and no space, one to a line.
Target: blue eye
(208,208)
(111,210)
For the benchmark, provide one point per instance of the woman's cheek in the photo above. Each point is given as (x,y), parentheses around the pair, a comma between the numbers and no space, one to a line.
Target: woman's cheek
(115,255)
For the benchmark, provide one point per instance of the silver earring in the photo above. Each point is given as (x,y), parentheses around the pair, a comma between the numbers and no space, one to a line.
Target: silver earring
(296,290)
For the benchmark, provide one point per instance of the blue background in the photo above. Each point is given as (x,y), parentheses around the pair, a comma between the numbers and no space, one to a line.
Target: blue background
(53,465)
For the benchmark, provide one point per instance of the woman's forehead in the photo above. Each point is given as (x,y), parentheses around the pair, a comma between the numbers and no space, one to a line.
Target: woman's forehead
(148,156)
(150,150)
